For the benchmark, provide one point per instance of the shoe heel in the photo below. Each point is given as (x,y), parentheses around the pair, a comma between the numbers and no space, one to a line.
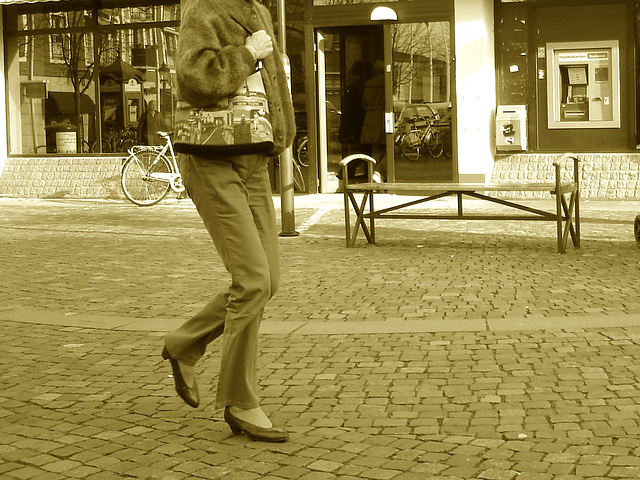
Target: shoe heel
(231,421)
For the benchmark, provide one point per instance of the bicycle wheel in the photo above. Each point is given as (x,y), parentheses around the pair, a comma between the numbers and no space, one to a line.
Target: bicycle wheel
(107,146)
(302,153)
(127,144)
(137,182)
(410,146)
(298,178)
(435,144)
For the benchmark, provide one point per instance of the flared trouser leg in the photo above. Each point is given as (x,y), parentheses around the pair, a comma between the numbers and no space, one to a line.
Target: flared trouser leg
(233,198)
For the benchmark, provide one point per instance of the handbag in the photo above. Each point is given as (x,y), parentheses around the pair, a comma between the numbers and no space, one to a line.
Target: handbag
(238,125)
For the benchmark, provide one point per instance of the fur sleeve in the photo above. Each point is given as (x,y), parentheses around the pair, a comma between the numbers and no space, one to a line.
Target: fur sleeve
(212,61)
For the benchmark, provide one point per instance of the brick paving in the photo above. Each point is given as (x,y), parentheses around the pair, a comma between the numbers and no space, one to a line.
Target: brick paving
(450,351)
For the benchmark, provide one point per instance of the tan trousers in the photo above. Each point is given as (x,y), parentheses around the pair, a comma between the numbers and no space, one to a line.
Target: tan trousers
(233,198)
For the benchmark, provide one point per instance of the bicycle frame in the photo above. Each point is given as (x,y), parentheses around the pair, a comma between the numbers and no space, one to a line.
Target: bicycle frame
(174,177)
(419,134)
(423,133)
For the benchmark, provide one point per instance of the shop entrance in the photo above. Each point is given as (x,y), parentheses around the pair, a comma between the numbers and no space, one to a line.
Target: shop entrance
(386,90)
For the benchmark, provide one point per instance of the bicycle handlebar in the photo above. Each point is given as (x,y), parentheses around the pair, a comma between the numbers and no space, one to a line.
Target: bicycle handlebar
(428,120)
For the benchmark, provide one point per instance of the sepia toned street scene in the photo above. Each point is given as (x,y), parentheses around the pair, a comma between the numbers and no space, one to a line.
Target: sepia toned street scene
(320,240)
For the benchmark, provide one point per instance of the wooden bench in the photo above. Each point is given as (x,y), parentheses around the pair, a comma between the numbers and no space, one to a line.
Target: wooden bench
(565,189)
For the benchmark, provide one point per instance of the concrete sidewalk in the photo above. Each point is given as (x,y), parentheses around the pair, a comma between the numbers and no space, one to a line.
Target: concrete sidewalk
(451,350)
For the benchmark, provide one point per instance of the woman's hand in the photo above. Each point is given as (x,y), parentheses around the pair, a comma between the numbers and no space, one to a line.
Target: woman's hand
(260,42)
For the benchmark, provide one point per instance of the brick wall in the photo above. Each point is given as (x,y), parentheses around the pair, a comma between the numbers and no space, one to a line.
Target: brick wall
(58,177)
(603,176)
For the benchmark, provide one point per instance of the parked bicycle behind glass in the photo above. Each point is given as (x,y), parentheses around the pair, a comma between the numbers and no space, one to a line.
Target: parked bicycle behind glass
(301,151)
(416,135)
(148,173)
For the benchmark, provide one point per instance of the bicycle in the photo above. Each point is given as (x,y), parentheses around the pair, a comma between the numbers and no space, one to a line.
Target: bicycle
(115,141)
(420,136)
(298,177)
(302,151)
(148,174)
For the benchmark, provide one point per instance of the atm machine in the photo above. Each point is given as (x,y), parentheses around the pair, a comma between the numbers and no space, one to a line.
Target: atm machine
(583,89)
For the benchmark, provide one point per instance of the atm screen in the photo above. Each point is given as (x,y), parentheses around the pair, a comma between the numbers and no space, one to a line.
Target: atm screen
(577,75)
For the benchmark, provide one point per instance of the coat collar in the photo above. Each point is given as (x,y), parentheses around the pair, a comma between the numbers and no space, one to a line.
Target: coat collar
(245,13)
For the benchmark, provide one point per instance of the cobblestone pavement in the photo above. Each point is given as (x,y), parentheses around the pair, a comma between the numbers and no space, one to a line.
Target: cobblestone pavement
(452,350)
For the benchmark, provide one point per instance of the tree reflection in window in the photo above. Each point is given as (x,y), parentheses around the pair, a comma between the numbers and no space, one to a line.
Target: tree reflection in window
(421,62)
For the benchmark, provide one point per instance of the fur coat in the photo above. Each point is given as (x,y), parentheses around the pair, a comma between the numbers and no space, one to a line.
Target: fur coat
(212,61)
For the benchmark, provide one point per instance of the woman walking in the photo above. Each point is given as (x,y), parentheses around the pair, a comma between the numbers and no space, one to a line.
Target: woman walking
(220,43)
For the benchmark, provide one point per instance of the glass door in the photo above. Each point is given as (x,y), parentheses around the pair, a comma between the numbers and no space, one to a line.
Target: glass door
(346,59)
(385,91)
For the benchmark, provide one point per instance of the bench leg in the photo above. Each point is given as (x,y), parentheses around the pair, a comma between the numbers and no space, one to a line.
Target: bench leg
(559,222)
(571,219)
(347,217)
(349,198)
(371,238)
(576,214)
(565,214)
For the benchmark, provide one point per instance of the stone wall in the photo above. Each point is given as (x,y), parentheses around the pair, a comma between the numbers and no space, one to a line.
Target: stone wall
(604,176)
(59,177)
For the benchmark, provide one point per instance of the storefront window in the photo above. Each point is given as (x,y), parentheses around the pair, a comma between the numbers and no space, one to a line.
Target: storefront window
(422,105)
(380,90)
(79,81)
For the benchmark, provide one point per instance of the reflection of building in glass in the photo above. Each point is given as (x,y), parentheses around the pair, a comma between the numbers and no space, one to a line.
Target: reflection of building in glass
(79,48)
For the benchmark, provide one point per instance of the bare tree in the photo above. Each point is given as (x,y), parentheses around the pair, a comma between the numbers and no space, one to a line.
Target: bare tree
(78,53)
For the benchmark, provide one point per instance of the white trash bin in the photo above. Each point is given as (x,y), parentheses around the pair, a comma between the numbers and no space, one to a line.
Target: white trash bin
(66,141)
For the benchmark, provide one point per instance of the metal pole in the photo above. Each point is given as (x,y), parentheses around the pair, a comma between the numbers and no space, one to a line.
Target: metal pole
(287,210)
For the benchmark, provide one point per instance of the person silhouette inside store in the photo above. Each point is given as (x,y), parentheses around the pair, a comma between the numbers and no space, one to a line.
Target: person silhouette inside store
(352,117)
(151,122)
(373,132)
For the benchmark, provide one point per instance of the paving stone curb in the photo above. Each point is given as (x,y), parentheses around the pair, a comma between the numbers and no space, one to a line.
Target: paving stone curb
(532,323)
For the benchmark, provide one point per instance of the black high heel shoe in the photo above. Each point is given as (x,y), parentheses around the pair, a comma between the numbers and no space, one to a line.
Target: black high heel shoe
(189,394)
(254,432)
